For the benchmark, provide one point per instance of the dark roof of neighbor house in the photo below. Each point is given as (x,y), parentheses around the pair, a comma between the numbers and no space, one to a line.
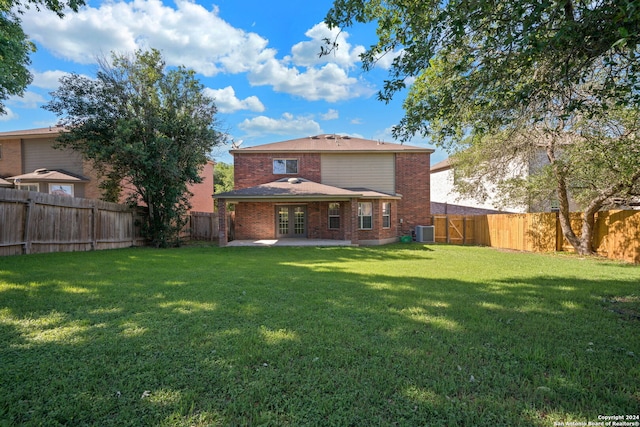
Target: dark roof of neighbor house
(52,131)
(442,166)
(438,208)
(300,188)
(46,175)
(332,143)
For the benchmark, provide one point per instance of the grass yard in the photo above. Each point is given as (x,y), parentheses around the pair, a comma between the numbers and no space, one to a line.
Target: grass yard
(404,335)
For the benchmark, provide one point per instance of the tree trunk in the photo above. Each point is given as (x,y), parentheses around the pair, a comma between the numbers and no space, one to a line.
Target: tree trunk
(579,244)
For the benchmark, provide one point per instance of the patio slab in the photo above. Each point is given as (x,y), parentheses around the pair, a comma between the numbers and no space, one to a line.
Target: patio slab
(291,242)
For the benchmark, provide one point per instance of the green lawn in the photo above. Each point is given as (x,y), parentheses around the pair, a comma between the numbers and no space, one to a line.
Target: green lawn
(403,335)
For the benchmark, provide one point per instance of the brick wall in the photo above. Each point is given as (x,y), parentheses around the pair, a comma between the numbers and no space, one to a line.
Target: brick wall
(11,161)
(255,221)
(379,233)
(251,169)
(413,182)
(202,200)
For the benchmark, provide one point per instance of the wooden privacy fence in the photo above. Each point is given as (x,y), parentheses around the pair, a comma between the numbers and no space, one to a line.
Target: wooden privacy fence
(203,226)
(32,222)
(616,233)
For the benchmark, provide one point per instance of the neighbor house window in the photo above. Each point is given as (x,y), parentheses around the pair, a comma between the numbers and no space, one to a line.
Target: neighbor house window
(365,215)
(285,166)
(61,189)
(28,187)
(386,215)
(334,215)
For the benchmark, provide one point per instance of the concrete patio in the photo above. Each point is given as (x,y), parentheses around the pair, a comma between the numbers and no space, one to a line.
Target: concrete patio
(291,242)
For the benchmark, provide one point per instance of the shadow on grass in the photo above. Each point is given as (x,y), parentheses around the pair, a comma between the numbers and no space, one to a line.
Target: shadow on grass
(330,336)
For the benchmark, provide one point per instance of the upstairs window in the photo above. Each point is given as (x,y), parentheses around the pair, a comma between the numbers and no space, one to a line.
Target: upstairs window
(285,166)
(334,215)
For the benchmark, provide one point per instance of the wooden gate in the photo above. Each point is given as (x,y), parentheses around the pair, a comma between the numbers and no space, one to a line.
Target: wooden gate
(455,229)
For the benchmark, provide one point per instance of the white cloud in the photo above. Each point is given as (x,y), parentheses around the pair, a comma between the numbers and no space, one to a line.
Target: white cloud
(28,100)
(10,115)
(384,61)
(227,102)
(287,124)
(329,83)
(330,115)
(307,53)
(189,35)
(198,38)
(48,79)
(356,121)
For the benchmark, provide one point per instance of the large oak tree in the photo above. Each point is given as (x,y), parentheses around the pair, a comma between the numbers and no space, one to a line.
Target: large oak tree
(499,80)
(145,126)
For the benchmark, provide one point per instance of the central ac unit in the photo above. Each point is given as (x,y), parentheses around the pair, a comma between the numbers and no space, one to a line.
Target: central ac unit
(425,234)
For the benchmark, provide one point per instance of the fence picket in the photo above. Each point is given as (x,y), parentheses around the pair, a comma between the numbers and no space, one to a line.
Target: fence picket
(616,233)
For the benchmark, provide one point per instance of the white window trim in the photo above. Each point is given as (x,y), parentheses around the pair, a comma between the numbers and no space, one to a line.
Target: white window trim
(387,215)
(333,216)
(285,160)
(60,184)
(25,186)
(360,217)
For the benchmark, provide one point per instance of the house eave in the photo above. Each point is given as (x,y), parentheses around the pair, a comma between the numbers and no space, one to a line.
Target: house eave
(311,198)
(328,151)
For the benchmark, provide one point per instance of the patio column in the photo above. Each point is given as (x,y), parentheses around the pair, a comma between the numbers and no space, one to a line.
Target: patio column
(222,222)
(352,223)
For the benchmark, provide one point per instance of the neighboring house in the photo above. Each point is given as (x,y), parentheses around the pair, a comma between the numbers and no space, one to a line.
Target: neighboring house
(328,187)
(28,161)
(448,200)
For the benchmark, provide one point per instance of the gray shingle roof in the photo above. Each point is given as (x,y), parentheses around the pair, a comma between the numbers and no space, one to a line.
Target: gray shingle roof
(299,188)
(45,175)
(331,143)
(52,131)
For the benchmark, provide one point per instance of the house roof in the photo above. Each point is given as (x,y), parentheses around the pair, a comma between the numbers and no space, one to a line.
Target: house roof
(299,188)
(52,131)
(328,143)
(46,175)
(442,166)
(4,183)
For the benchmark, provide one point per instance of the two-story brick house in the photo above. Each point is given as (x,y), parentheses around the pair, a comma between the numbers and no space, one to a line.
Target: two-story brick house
(29,161)
(328,187)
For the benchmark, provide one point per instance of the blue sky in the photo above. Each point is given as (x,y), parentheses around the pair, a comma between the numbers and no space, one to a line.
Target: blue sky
(258,59)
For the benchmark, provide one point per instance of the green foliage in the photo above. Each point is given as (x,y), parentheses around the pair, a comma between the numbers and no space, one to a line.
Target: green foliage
(145,127)
(223,177)
(15,47)
(508,80)
(495,57)
(406,335)
(14,58)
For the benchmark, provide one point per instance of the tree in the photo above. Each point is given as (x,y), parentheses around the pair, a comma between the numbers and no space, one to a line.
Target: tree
(15,47)
(142,125)
(501,80)
(223,178)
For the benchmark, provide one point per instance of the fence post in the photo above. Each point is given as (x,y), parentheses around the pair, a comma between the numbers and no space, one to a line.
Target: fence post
(94,226)
(134,212)
(464,230)
(27,227)
(446,226)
